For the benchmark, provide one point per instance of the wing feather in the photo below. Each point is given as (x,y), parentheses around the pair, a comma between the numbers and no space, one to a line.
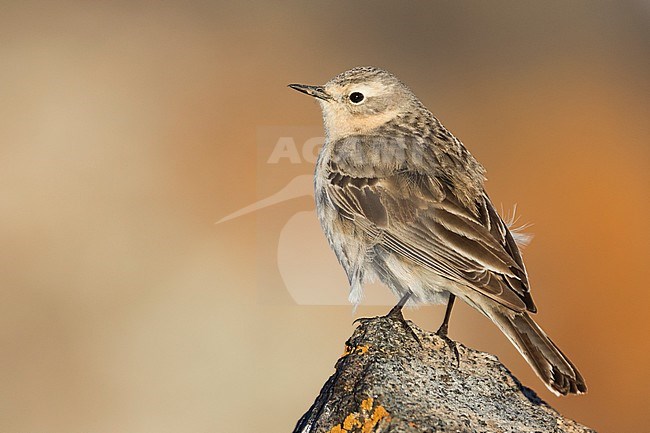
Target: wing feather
(419,218)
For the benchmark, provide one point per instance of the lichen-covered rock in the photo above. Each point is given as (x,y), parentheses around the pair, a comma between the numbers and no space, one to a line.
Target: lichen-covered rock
(389,380)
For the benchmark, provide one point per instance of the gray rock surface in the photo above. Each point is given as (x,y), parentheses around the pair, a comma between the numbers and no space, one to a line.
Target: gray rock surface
(388,381)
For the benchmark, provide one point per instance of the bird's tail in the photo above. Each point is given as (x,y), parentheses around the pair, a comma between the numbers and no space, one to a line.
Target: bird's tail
(551,365)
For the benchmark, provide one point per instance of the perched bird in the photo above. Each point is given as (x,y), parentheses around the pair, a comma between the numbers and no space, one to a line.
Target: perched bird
(400,199)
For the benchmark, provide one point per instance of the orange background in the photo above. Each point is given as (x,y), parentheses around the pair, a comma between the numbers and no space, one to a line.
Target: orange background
(129,128)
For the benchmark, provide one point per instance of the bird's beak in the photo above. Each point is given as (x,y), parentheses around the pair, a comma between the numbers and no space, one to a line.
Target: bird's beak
(315,91)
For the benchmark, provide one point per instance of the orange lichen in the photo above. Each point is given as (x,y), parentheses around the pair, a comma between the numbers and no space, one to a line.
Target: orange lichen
(367,404)
(351,421)
(379,414)
(361,350)
(363,421)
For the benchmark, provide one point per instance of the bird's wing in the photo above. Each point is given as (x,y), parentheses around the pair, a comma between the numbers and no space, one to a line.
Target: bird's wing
(418,217)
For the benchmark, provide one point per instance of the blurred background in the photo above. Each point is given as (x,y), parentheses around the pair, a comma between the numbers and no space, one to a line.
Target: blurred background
(129,128)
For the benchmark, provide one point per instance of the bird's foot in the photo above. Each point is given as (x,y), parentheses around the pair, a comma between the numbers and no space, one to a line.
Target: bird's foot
(362,320)
(396,314)
(442,333)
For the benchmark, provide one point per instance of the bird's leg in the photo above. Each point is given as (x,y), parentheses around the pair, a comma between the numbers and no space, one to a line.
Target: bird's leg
(396,313)
(444,328)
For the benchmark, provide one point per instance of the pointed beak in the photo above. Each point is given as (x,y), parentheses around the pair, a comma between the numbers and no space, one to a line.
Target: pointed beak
(315,91)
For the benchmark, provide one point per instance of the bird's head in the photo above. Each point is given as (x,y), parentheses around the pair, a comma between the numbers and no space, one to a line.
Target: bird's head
(360,100)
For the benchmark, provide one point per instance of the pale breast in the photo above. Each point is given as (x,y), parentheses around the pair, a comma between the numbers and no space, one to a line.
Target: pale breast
(351,245)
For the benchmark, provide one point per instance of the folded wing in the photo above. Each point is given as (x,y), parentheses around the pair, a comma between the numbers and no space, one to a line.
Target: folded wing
(419,218)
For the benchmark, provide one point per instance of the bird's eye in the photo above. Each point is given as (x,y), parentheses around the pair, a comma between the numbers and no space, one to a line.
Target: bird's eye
(356,97)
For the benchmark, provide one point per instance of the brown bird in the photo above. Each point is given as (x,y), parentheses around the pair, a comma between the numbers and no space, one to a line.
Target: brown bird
(400,199)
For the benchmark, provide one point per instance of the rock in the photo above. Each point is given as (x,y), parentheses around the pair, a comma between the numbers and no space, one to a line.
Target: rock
(398,380)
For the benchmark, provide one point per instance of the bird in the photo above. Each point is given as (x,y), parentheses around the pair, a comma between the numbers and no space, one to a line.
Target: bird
(401,200)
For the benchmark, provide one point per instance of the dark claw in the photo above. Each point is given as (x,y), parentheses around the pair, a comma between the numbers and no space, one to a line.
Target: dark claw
(396,314)
(361,320)
(442,333)
(444,329)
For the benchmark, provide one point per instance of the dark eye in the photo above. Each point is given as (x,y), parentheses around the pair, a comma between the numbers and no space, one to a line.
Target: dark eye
(356,97)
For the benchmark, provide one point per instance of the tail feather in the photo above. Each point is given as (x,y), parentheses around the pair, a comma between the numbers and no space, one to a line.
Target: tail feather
(550,364)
